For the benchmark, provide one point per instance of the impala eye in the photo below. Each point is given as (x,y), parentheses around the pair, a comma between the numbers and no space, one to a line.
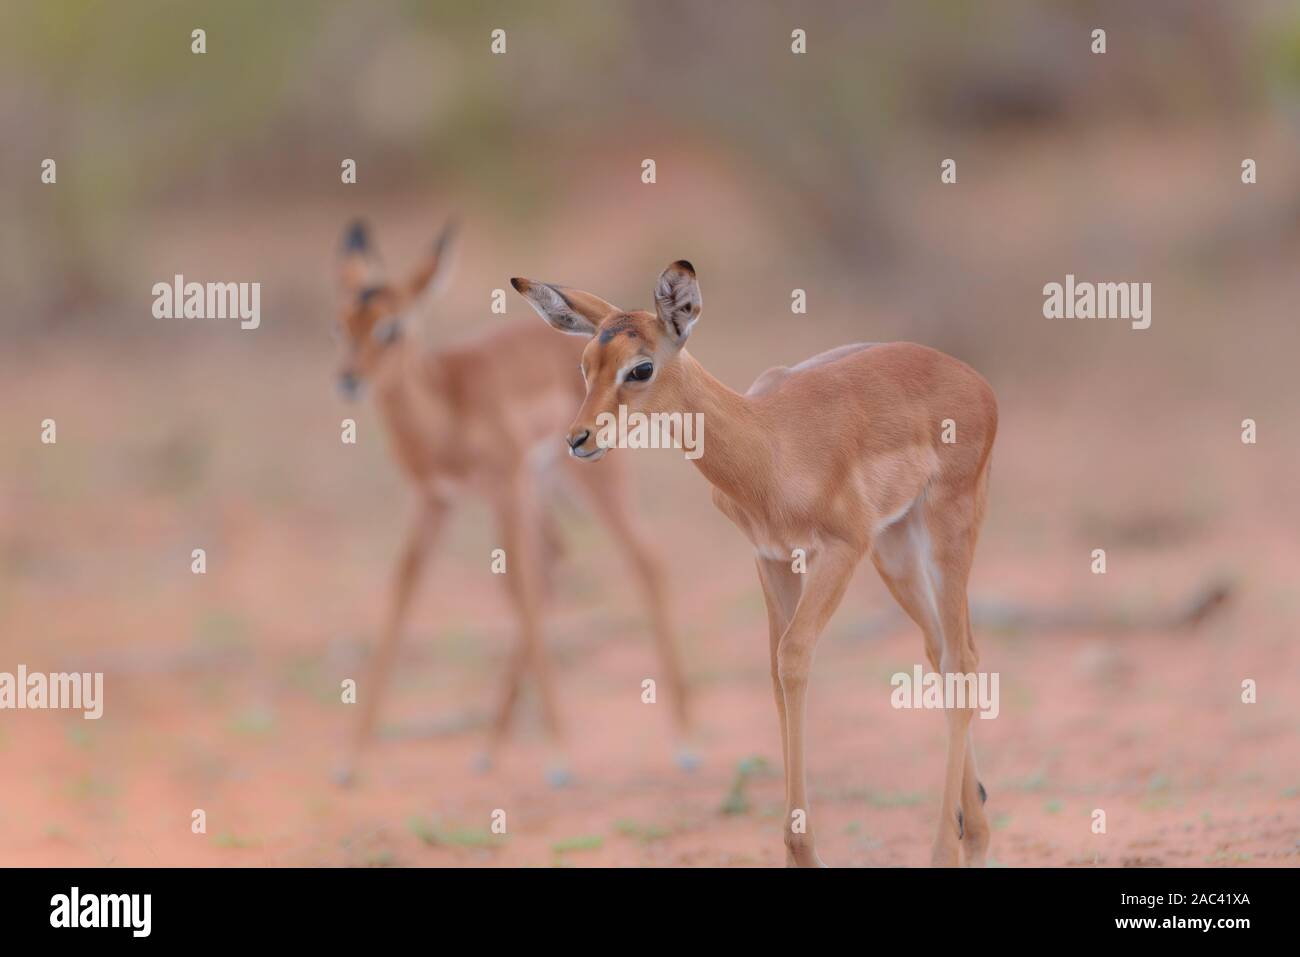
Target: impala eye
(640,373)
(388,331)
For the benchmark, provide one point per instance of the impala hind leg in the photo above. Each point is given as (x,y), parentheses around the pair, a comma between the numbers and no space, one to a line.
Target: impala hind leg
(924,582)
(419,542)
(607,493)
(519,527)
(975,836)
(975,840)
(951,521)
(827,578)
(552,549)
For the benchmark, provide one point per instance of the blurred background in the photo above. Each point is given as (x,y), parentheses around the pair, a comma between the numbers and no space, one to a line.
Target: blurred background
(775,171)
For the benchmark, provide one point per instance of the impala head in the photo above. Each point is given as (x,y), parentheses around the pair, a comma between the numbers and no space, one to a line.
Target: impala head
(375,314)
(633,358)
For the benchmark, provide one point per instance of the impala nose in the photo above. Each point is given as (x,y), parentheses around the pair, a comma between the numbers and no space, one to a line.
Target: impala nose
(349,385)
(576,439)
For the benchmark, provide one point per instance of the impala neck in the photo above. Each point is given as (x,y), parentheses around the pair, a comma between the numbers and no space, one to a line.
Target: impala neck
(405,401)
(393,377)
(737,457)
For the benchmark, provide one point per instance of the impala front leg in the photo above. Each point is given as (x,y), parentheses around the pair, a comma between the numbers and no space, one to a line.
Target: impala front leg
(781,589)
(419,542)
(828,576)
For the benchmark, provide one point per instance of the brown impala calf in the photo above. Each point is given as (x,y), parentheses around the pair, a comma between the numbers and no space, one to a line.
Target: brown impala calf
(841,456)
(472,418)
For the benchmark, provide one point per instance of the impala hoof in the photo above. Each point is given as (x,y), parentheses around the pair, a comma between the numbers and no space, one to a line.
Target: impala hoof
(944,855)
(559,776)
(984,795)
(688,760)
(804,859)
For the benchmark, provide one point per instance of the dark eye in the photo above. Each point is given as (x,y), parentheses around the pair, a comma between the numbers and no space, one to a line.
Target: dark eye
(388,331)
(640,373)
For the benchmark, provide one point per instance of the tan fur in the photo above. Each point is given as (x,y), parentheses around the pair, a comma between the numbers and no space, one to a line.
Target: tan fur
(482,418)
(840,455)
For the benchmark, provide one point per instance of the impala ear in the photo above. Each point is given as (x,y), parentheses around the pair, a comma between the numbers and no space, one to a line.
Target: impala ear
(568,310)
(359,266)
(677,300)
(432,273)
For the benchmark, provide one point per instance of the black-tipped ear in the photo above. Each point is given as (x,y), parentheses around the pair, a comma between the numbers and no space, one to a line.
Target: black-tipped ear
(433,273)
(568,310)
(446,237)
(356,238)
(359,265)
(677,300)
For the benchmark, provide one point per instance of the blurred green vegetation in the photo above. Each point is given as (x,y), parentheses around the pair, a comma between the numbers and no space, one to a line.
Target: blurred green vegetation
(411,90)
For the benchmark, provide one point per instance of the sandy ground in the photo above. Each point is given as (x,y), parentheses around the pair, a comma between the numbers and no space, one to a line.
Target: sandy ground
(222,690)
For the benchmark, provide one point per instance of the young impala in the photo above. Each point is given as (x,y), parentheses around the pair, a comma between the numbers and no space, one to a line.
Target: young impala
(473,418)
(841,456)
